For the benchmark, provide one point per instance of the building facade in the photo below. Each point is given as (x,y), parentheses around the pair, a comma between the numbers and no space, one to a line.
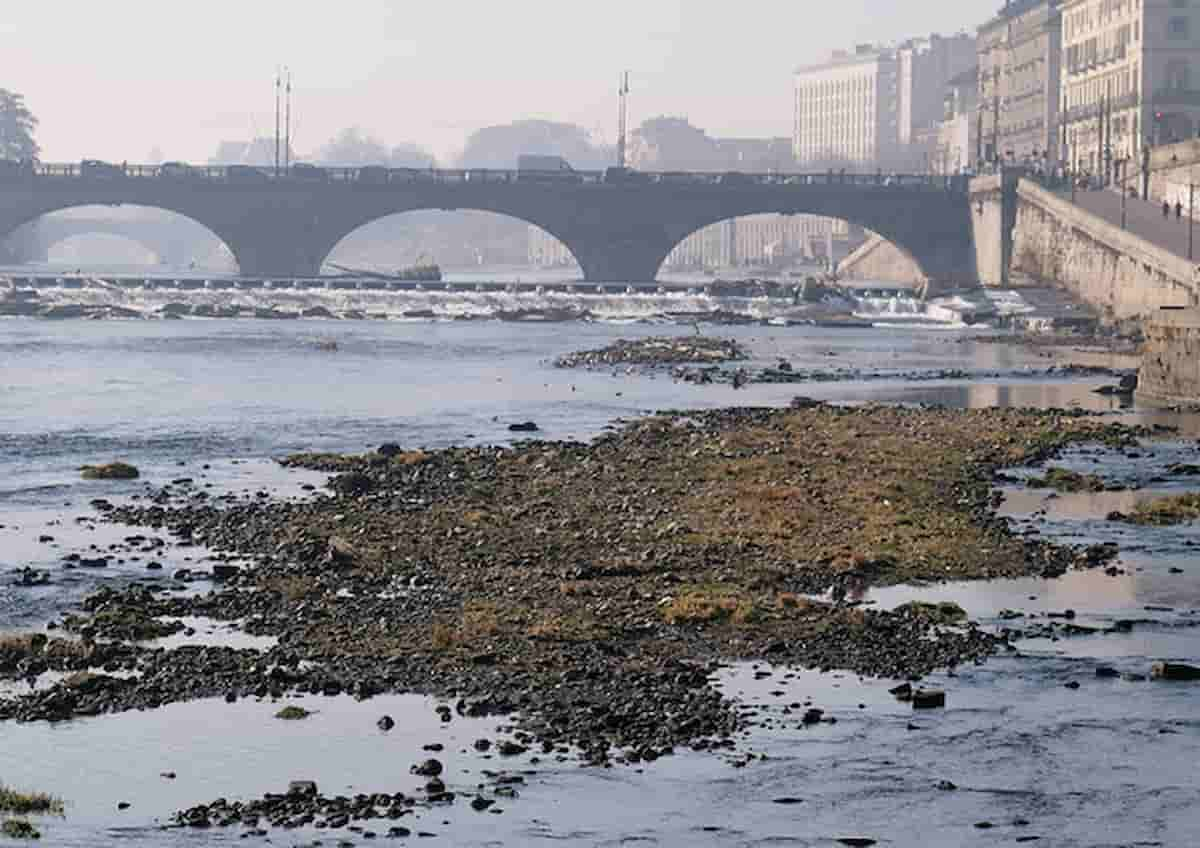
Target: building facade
(956,148)
(1020,74)
(1131,79)
(846,110)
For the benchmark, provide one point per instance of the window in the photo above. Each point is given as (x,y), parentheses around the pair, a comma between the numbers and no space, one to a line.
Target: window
(1177,28)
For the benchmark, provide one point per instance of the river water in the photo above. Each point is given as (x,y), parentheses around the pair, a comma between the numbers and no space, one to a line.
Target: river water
(1108,764)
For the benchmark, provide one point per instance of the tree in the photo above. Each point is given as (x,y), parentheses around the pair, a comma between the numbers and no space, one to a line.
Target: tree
(500,147)
(17,125)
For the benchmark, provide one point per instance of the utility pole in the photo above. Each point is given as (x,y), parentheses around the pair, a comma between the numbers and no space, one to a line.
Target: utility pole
(278,84)
(287,139)
(1191,219)
(623,122)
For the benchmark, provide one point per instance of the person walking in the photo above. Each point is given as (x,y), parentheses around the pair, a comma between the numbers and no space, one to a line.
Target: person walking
(1166,209)
(1178,210)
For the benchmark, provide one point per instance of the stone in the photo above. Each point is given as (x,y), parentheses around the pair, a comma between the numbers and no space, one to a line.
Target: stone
(340,553)
(526,427)
(903,692)
(479,803)
(389,450)
(508,748)
(225,572)
(110,471)
(302,789)
(788,801)
(928,699)
(1174,671)
(1107,672)
(429,768)
(385,723)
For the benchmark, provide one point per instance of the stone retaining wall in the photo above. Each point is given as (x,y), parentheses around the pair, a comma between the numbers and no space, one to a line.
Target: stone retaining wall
(1116,272)
(1171,363)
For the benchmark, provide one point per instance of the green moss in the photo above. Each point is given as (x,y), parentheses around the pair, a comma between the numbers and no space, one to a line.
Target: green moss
(946,612)
(26,803)
(1062,480)
(1165,512)
(19,829)
(111,471)
(292,714)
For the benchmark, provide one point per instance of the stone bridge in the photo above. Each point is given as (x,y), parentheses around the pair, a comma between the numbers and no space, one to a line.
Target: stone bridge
(618,231)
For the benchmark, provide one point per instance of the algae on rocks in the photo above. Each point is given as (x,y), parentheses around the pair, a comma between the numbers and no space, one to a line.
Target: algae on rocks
(110,471)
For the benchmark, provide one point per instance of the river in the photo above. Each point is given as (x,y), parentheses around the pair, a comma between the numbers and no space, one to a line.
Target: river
(1109,763)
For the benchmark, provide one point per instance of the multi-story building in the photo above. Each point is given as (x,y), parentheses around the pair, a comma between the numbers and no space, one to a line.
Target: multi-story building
(925,66)
(876,107)
(761,241)
(956,148)
(1020,60)
(1131,79)
(847,110)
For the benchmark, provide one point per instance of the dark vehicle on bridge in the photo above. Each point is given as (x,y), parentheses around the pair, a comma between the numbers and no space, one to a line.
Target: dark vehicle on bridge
(309,173)
(246,174)
(94,169)
(374,174)
(15,168)
(626,176)
(177,171)
(546,169)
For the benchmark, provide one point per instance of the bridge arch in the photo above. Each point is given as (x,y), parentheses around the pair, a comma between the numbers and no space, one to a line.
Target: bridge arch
(458,238)
(172,238)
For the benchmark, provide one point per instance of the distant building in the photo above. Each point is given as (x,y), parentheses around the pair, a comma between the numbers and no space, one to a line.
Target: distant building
(1131,77)
(1020,57)
(846,110)
(876,107)
(955,149)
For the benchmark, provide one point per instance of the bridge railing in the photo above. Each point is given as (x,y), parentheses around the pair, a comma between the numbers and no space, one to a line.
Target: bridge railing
(379,175)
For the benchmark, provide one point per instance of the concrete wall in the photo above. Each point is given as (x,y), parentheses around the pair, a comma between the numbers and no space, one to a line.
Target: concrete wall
(1118,273)
(1171,362)
(879,259)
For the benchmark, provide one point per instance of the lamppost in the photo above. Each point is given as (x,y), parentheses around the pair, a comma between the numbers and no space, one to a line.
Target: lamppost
(1191,214)
(1123,172)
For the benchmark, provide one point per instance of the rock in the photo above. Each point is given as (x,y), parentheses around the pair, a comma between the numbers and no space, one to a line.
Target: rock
(903,692)
(385,723)
(1107,672)
(389,450)
(302,789)
(225,572)
(435,786)
(947,786)
(353,484)
(1174,671)
(339,553)
(856,841)
(928,699)
(482,745)
(111,471)
(526,427)
(479,803)
(813,716)
(429,768)
(788,801)
(508,748)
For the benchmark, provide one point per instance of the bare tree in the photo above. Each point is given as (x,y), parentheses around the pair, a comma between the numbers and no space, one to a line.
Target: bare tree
(17,126)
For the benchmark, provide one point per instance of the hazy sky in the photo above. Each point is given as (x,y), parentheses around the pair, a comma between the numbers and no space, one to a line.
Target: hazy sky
(114,79)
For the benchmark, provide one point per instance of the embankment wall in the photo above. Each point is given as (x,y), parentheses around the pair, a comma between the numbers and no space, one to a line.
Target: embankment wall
(1170,371)
(1116,272)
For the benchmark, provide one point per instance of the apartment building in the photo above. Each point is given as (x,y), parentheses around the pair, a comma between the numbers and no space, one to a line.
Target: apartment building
(1131,79)
(1020,74)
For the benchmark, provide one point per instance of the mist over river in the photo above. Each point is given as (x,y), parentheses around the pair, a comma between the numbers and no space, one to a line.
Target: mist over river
(1016,754)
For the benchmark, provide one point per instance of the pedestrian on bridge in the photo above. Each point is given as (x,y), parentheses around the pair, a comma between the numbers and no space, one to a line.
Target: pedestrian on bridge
(1178,210)
(1166,209)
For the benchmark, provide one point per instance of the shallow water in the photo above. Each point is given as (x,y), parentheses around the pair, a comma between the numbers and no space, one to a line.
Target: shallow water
(1108,764)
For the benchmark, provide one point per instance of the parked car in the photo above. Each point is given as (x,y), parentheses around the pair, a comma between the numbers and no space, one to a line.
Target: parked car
(94,169)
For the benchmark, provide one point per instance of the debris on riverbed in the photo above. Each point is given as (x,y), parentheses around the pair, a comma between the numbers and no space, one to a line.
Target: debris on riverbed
(594,589)
(657,351)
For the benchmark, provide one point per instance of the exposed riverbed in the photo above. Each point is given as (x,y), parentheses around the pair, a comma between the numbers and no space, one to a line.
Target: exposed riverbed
(1108,763)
